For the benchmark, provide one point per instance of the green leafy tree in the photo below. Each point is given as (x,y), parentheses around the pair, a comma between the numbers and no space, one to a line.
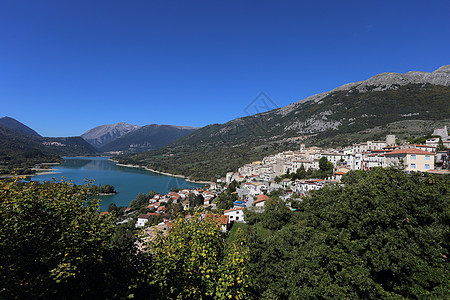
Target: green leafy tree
(196,200)
(274,216)
(383,235)
(300,173)
(55,244)
(193,262)
(325,165)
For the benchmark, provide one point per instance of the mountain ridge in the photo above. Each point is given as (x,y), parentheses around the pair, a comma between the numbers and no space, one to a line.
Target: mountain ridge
(147,137)
(21,150)
(17,126)
(367,109)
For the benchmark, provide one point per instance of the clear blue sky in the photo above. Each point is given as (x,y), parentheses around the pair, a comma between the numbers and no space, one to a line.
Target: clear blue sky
(68,66)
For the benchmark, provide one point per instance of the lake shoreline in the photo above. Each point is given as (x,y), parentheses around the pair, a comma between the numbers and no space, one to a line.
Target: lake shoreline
(162,173)
(36,173)
(128,182)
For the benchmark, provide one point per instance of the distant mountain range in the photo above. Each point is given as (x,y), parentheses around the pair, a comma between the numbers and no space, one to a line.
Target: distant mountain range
(22,147)
(409,104)
(134,138)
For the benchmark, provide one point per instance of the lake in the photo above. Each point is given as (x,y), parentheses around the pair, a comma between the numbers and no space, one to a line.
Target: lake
(127,181)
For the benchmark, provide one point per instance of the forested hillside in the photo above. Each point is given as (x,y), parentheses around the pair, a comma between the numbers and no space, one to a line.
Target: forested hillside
(339,118)
(148,137)
(21,151)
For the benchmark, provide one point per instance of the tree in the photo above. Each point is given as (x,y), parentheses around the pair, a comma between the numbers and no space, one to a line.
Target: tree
(384,234)
(325,165)
(193,262)
(196,200)
(274,216)
(55,243)
(300,173)
(441,146)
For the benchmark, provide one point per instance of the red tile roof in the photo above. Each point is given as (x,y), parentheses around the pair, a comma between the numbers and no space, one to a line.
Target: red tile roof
(233,209)
(408,151)
(221,218)
(261,198)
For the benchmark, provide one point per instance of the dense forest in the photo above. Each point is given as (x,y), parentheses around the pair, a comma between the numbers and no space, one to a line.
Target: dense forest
(382,234)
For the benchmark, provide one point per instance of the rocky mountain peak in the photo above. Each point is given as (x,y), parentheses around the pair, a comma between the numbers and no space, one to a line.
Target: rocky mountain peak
(104,134)
(383,82)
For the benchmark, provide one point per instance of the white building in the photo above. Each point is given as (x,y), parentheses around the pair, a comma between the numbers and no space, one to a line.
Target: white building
(235,214)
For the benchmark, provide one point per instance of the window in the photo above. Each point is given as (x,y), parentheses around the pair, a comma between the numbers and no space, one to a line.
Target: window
(413,156)
(237,218)
(427,157)
(427,166)
(413,166)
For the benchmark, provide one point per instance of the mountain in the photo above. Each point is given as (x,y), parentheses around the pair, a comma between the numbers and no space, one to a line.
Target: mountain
(17,126)
(409,104)
(67,146)
(104,134)
(147,137)
(20,148)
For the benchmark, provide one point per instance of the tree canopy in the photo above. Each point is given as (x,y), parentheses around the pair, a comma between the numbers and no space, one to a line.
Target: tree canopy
(56,244)
(384,234)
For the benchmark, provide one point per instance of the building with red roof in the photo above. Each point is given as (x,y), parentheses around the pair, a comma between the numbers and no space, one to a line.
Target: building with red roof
(261,200)
(413,159)
(235,214)
(223,220)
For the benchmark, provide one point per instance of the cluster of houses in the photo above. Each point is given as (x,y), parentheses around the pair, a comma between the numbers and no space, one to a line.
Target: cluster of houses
(363,156)
(258,178)
(158,204)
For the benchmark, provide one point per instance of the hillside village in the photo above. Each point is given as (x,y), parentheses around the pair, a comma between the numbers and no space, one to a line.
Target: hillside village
(255,181)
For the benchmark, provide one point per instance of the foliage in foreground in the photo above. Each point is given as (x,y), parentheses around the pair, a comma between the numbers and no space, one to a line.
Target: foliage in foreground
(194,262)
(384,235)
(55,244)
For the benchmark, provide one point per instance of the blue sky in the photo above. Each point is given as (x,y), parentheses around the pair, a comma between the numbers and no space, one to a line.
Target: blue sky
(68,66)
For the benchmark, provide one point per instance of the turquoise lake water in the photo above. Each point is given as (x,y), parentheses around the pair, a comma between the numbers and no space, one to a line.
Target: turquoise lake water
(127,181)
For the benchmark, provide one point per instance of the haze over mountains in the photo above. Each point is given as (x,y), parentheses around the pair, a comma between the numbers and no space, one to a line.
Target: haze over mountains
(409,104)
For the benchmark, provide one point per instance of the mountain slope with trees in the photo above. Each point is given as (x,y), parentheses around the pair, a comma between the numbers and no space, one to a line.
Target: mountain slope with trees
(19,150)
(17,126)
(406,105)
(148,137)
